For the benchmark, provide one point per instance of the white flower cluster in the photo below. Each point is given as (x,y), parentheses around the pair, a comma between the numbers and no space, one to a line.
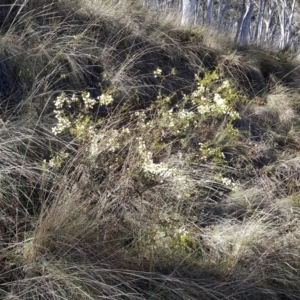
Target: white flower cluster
(228,182)
(170,239)
(204,109)
(94,145)
(57,160)
(161,169)
(141,116)
(186,115)
(223,107)
(220,102)
(183,186)
(199,91)
(169,118)
(157,72)
(182,233)
(177,120)
(226,84)
(88,101)
(161,240)
(105,99)
(234,115)
(111,138)
(219,106)
(210,152)
(210,101)
(113,141)
(83,129)
(125,130)
(62,124)
(231,130)
(60,100)
(81,126)
(63,99)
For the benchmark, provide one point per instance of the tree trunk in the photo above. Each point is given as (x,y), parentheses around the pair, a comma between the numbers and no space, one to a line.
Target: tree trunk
(285,19)
(259,23)
(239,24)
(188,12)
(222,13)
(209,12)
(246,22)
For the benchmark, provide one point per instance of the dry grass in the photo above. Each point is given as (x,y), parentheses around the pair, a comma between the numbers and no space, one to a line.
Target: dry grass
(98,225)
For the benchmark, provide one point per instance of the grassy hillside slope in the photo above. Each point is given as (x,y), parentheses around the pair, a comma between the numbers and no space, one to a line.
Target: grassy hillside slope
(142,160)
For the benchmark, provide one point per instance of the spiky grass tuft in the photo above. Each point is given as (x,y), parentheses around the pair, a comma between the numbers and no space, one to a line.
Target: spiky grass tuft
(140,161)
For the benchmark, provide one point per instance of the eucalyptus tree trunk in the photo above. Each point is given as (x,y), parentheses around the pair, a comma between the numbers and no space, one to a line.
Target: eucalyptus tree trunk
(259,22)
(209,12)
(245,30)
(240,23)
(285,16)
(290,25)
(264,22)
(188,12)
(269,32)
(222,12)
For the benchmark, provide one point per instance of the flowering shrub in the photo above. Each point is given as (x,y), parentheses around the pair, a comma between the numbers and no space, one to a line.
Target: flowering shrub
(158,145)
(202,124)
(204,119)
(172,239)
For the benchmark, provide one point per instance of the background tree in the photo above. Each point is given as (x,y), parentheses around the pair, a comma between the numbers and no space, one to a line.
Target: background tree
(188,12)
(246,21)
(263,22)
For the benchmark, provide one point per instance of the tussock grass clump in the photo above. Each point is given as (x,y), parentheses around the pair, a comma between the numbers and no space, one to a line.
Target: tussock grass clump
(140,161)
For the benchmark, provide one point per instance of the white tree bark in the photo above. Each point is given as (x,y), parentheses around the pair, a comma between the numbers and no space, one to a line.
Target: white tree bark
(245,30)
(209,12)
(264,22)
(259,22)
(285,19)
(188,12)
(268,34)
(290,25)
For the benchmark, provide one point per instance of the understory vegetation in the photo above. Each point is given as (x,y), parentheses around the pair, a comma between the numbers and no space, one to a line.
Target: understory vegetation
(144,160)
